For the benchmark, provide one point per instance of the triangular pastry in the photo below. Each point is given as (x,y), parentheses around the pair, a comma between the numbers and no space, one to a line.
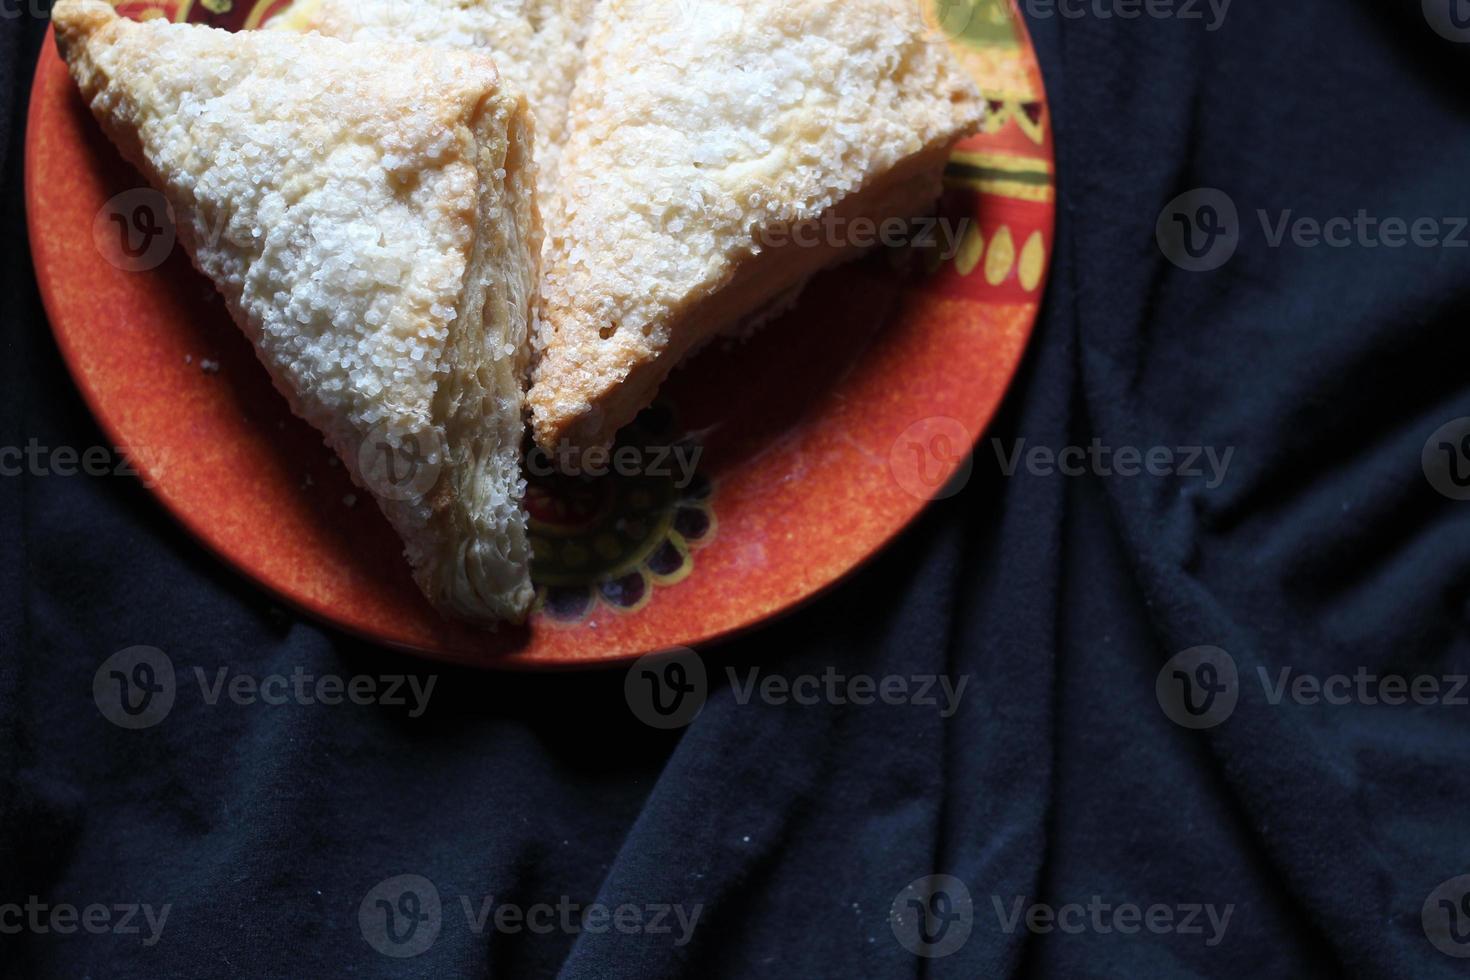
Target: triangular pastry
(536,44)
(367,212)
(701,130)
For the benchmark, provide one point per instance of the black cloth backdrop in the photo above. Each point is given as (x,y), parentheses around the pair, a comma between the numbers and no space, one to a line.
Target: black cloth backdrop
(1325,549)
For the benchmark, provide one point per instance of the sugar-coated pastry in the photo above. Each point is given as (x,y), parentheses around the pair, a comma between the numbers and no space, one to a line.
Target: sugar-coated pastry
(701,132)
(367,212)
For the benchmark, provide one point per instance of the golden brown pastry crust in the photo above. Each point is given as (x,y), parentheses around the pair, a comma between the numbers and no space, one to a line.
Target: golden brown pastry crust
(696,128)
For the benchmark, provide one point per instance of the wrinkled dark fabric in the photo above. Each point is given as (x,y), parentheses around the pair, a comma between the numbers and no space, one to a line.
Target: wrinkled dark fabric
(1325,549)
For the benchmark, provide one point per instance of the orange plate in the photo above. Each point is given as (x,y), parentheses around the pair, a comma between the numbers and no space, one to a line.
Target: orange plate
(818,440)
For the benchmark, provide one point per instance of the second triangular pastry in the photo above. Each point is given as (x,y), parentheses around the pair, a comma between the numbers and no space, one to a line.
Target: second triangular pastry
(367,213)
(703,132)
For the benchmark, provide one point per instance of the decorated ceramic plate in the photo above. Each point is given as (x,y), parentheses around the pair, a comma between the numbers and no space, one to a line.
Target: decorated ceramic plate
(866,400)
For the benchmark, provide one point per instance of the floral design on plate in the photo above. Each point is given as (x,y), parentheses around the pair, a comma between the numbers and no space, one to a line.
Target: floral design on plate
(613,538)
